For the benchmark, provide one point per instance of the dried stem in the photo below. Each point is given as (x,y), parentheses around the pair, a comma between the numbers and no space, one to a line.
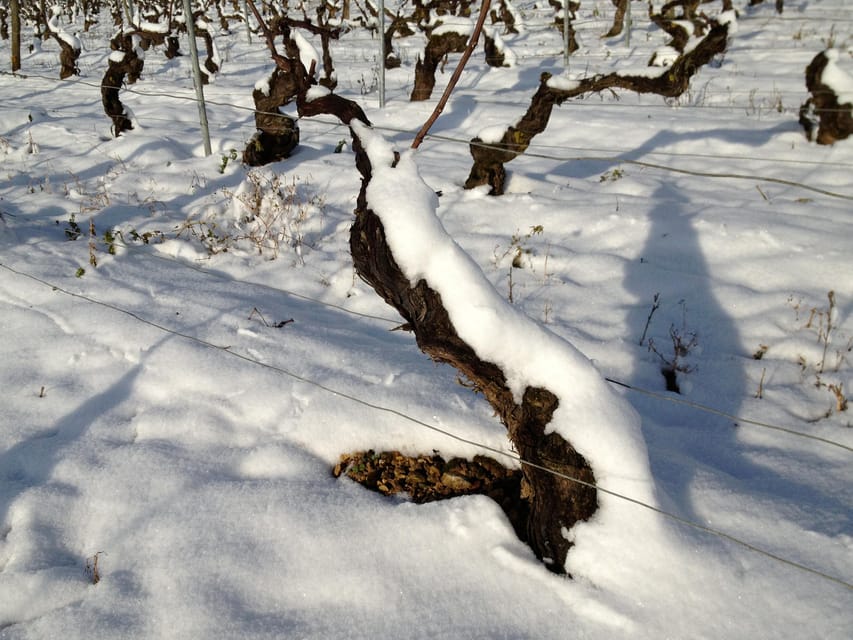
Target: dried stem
(282,62)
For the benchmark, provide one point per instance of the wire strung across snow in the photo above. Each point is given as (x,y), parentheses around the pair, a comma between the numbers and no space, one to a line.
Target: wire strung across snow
(499,148)
(666,397)
(375,406)
(529,153)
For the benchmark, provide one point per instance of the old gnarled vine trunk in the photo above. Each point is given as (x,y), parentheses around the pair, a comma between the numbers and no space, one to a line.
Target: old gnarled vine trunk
(122,63)
(277,133)
(558,483)
(489,159)
(557,500)
(436,49)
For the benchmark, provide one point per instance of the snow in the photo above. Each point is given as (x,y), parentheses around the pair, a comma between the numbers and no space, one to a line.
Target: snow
(517,17)
(644,72)
(562,83)
(728,18)
(492,135)
(71,40)
(136,42)
(263,85)
(837,79)
(510,58)
(215,57)
(154,413)
(451,24)
(665,57)
(686,25)
(53,24)
(154,27)
(307,52)
(316,91)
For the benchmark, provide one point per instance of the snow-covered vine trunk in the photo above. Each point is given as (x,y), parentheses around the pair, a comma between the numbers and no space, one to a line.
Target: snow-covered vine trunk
(277,133)
(211,65)
(491,154)
(292,80)
(400,26)
(683,28)
(830,107)
(436,49)
(556,502)
(505,13)
(580,444)
(69,45)
(124,61)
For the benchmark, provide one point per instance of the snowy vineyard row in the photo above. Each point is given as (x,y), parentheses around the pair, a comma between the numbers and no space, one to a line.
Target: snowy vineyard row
(302,73)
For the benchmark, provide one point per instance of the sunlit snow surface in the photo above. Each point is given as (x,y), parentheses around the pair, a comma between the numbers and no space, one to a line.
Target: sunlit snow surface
(164,429)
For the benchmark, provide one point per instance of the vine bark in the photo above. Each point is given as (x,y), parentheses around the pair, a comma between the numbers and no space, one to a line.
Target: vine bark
(490,158)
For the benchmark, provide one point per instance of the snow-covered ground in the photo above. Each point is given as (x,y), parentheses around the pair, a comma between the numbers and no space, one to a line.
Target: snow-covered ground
(161,413)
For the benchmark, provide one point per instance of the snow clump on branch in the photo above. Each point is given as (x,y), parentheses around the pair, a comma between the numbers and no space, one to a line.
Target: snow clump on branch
(837,79)
(53,24)
(308,55)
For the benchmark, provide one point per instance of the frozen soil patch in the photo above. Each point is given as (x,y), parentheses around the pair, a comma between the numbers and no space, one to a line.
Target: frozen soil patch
(427,478)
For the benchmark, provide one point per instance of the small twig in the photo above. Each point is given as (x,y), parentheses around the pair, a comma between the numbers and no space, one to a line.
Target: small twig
(655,305)
(760,393)
(93,259)
(92,568)
(826,336)
(840,400)
(280,61)
(274,325)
